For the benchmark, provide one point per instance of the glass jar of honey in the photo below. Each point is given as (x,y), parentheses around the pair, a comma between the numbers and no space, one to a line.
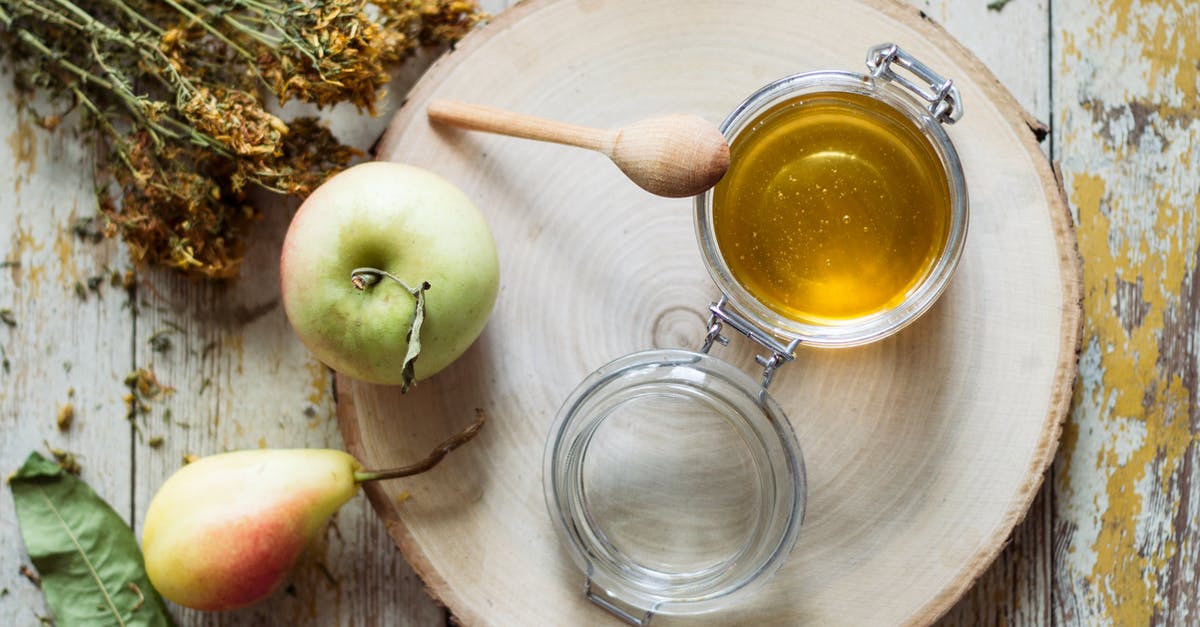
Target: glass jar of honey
(675,478)
(844,211)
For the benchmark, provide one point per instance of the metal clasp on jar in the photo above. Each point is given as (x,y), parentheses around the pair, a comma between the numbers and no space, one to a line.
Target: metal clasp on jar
(945,105)
(780,353)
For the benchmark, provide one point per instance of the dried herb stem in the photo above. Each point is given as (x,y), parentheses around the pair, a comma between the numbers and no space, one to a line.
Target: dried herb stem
(115,84)
(136,17)
(255,34)
(209,27)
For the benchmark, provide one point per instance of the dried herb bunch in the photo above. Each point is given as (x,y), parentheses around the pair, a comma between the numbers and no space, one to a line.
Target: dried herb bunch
(175,94)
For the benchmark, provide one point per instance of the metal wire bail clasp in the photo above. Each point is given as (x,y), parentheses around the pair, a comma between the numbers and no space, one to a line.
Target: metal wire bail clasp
(944,102)
(780,353)
(631,617)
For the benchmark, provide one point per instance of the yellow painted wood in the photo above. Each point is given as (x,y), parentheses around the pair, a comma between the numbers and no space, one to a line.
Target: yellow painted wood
(1127,483)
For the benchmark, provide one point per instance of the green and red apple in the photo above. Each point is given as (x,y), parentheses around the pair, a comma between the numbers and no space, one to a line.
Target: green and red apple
(412,225)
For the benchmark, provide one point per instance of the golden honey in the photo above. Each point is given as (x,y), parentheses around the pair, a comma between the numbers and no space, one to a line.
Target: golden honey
(834,207)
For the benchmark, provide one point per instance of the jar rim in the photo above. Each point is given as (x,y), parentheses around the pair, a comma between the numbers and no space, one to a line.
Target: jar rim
(777,460)
(921,297)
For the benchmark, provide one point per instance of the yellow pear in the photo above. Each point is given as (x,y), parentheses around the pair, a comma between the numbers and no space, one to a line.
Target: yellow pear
(224,531)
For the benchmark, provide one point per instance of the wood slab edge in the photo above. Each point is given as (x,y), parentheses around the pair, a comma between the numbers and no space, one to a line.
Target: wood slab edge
(384,507)
(1071,339)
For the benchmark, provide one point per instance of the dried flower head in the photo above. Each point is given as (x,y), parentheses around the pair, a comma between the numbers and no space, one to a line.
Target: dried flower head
(176,93)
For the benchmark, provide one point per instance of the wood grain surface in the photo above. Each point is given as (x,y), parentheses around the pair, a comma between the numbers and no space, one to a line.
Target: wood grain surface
(1111,538)
(897,476)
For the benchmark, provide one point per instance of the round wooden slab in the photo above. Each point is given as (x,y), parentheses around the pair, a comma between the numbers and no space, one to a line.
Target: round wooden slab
(923,451)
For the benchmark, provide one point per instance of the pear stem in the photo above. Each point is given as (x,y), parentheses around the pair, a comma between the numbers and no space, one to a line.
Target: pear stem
(431,460)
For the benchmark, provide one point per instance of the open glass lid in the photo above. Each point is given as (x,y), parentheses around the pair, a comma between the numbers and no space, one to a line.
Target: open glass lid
(675,480)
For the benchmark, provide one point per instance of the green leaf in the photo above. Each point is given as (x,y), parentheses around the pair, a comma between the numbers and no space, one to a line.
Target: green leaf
(91,567)
(414,336)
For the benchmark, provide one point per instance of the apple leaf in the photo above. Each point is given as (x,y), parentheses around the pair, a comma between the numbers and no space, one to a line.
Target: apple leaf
(414,336)
(91,567)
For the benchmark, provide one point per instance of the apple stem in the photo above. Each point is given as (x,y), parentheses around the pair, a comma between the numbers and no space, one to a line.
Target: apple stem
(431,460)
(362,278)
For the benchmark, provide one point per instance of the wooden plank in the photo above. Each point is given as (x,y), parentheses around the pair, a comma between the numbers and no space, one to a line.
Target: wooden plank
(1127,485)
(1014,42)
(1015,590)
(59,348)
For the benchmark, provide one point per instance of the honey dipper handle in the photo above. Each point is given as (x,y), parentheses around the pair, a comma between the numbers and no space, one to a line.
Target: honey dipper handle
(478,117)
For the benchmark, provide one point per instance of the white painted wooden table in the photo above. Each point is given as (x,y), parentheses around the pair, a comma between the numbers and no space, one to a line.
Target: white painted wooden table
(1113,538)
